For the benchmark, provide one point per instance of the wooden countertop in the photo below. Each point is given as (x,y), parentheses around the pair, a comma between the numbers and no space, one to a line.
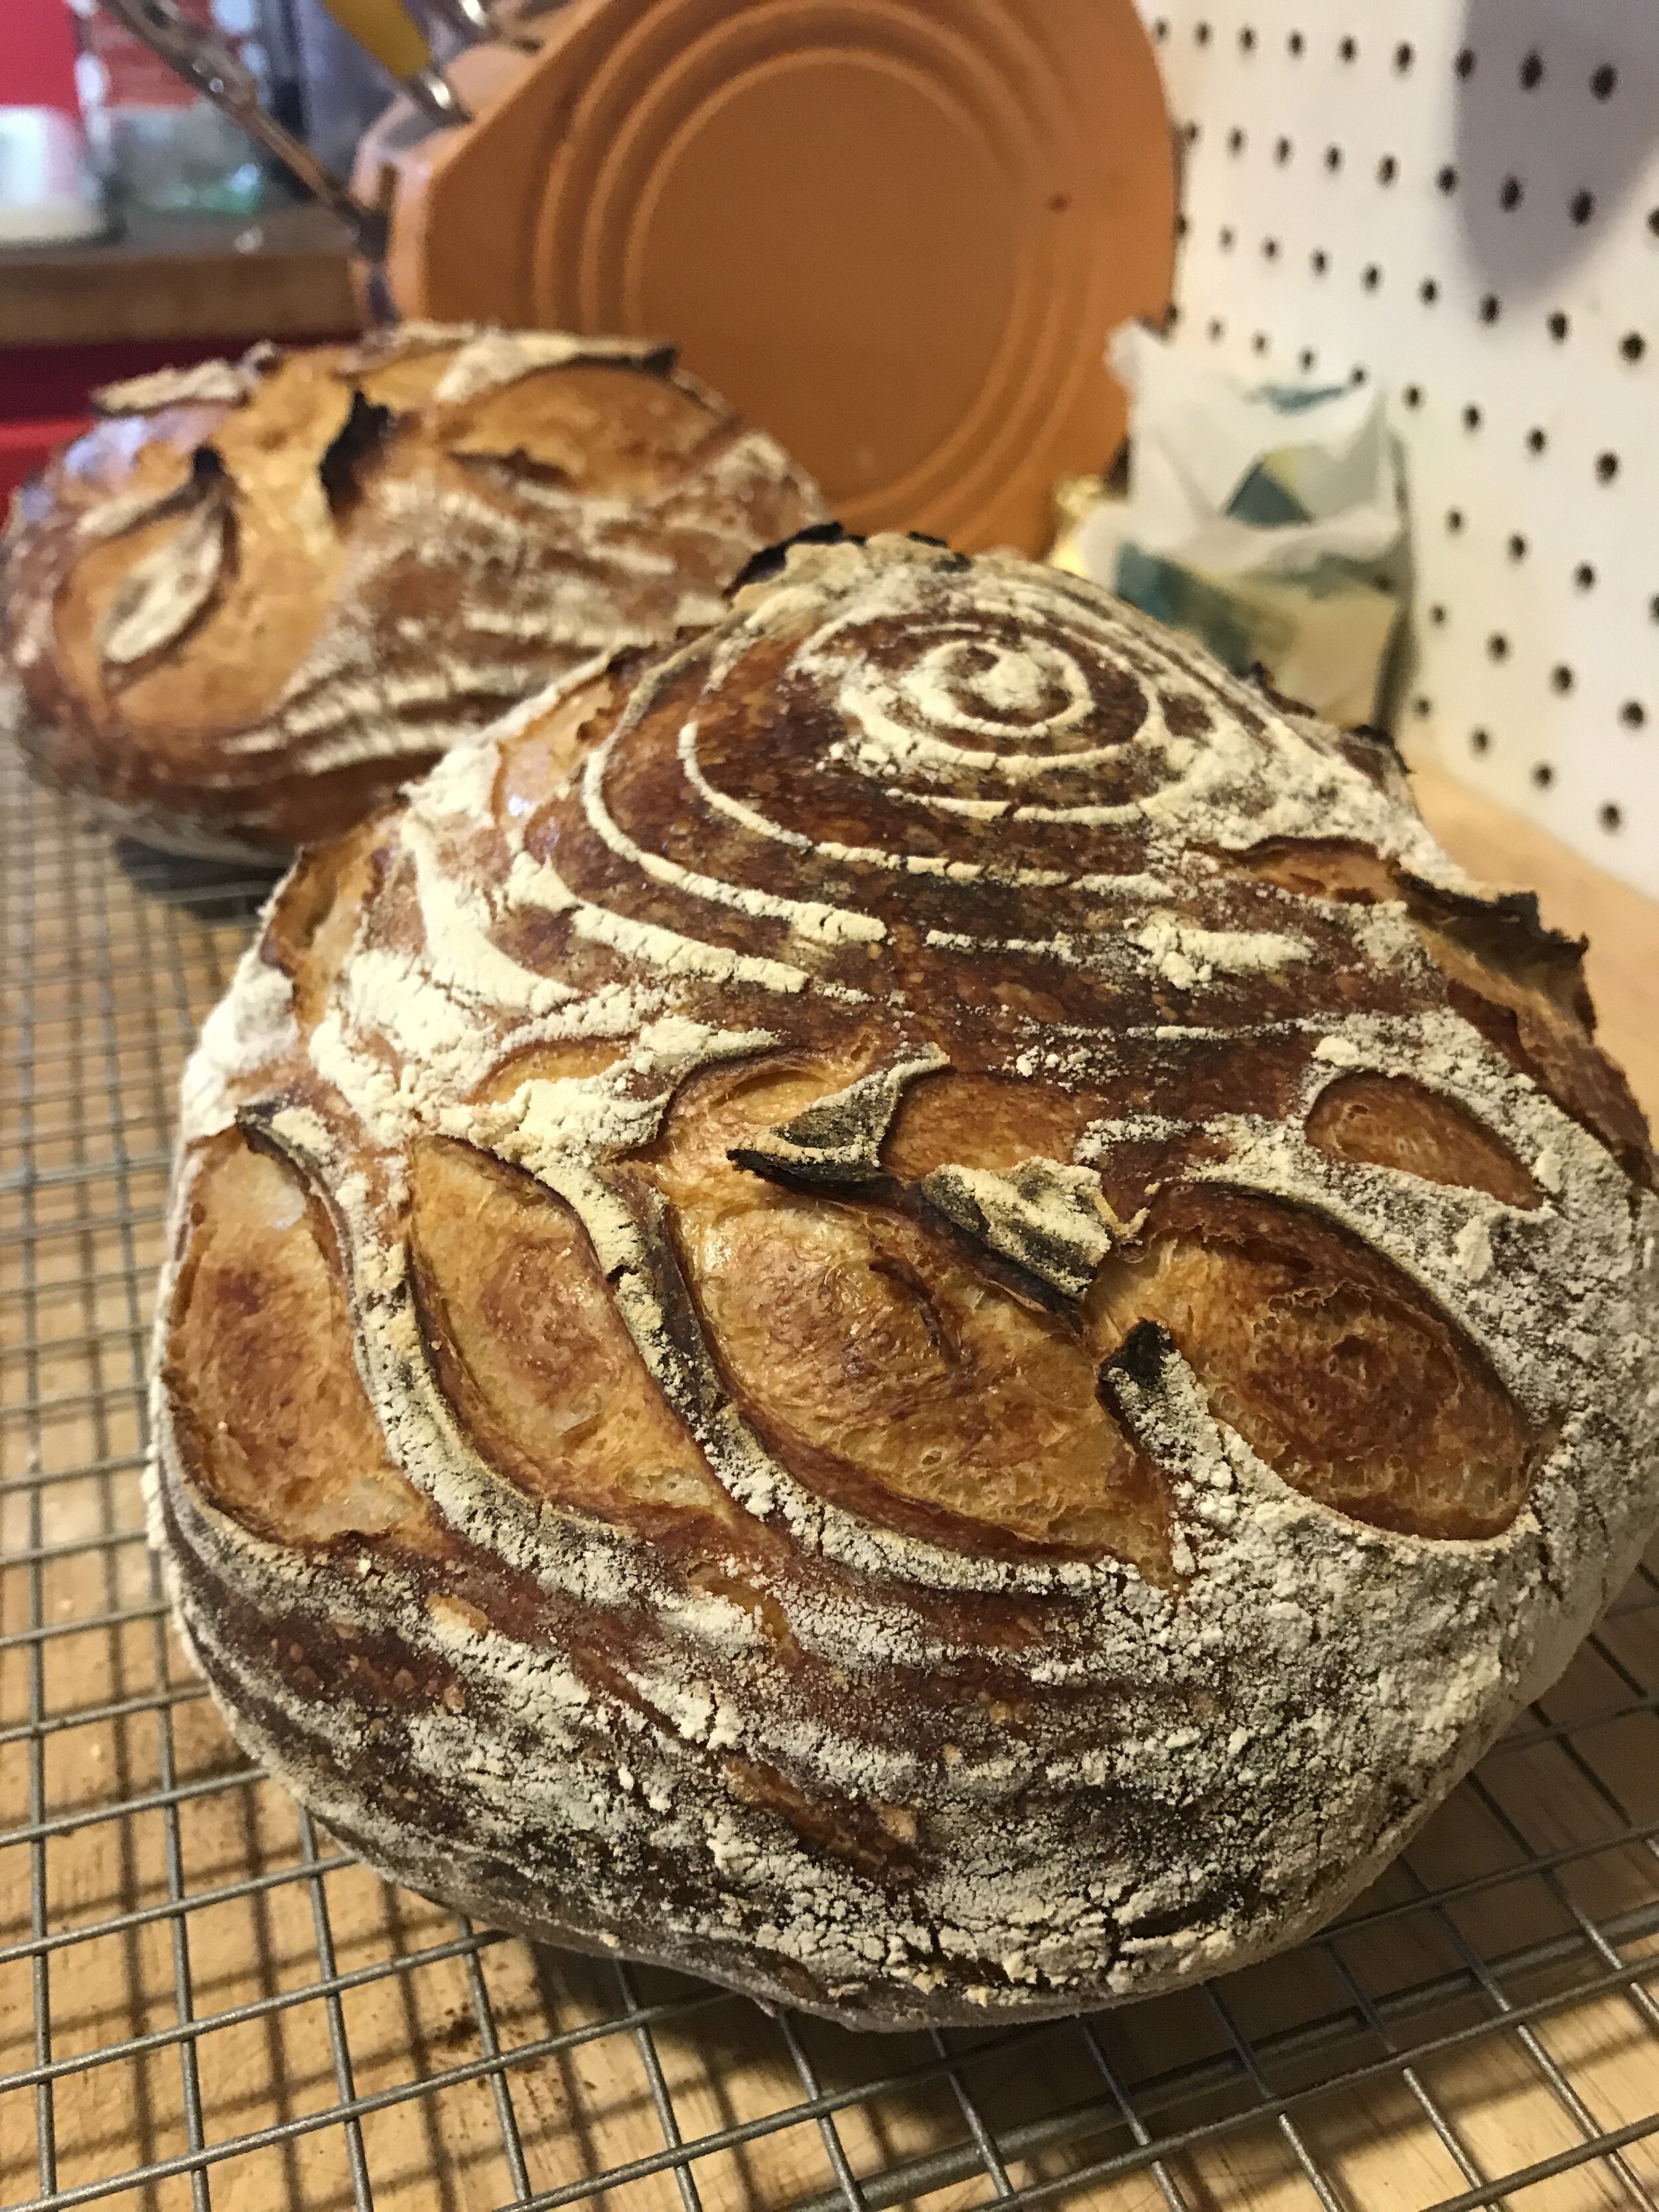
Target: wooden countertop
(281,275)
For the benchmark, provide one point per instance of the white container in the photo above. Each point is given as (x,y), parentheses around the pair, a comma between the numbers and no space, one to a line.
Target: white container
(47,190)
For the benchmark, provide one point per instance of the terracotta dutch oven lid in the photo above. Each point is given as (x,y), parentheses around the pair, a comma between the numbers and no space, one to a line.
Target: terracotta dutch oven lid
(895,232)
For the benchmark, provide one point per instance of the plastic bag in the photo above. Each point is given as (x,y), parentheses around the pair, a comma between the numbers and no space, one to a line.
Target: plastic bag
(1256,519)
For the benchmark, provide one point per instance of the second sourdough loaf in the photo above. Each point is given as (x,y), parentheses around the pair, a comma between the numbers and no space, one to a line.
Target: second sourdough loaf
(257,595)
(911,1306)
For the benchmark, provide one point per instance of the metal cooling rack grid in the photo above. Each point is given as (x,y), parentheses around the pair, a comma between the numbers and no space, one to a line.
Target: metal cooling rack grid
(202,2001)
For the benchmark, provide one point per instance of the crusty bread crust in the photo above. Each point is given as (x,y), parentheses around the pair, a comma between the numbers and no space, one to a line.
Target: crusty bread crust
(912,1307)
(257,597)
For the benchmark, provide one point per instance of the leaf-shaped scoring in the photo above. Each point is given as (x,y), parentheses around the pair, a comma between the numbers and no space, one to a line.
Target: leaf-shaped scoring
(162,594)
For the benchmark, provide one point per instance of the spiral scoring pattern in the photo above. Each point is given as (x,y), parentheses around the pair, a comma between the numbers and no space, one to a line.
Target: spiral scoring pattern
(827,1146)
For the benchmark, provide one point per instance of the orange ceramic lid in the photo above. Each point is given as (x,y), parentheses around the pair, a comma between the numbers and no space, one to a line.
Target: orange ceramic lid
(896,233)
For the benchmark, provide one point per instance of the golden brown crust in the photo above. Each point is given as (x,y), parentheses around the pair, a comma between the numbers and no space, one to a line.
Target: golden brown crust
(1009,1374)
(249,617)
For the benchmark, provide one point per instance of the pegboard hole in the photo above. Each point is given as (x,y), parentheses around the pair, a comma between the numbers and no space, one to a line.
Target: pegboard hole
(1611,819)
(1282,151)
(1607,467)
(1201,33)
(1217,328)
(1561,679)
(1332,158)
(1161,28)
(1438,616)
(1422,706)
(1465,62)
(1246,40)
(1653,221)
(1604,82)
(1387,169)
(1532,71)
(1235,140)
(1491,307)
(1447,180)
(1319,261)
(1428,291)
(1404,56)
(1582,206)
(1584,576)
(1226,238)
(1632,346)
(1498,647)
(1471,418)
(1454,519)
(1543,775)
(1413,395)
(1296,42)
(1370,277)
(1189,131)
(1270,249)
(1517,547)
(1511,195)
(1305,360)
(1479,741)
(1634,714)
(1348,49)
(1536,440)
(1558,326)
(1259,341)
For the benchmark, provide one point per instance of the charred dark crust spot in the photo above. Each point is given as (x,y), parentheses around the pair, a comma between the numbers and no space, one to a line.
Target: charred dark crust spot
(1142,1356)
(1507,930)
(771,559)
(358,442)
(1370,732)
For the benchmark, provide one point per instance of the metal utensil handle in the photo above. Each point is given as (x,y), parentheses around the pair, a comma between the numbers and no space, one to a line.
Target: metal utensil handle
(220,75)
(472,18)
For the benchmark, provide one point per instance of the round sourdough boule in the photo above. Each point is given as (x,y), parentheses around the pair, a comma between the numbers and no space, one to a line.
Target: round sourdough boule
(256,597)
(913,1308)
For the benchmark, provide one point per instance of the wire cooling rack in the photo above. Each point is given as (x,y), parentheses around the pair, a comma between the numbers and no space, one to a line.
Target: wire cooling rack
(202,2001)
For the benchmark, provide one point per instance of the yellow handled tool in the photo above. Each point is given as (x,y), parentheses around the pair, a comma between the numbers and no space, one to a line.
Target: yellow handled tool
(386,30)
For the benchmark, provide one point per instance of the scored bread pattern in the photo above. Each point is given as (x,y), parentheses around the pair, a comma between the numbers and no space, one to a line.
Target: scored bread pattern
(911,1307)
(404,537)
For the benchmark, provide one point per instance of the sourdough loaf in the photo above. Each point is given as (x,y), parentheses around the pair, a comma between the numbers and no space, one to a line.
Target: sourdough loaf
(912,1307)
(257,595)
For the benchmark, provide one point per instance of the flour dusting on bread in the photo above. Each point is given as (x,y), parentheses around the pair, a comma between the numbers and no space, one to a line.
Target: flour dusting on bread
(906,1199)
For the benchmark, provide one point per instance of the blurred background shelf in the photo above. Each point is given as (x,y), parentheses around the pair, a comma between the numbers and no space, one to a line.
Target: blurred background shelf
(166,278)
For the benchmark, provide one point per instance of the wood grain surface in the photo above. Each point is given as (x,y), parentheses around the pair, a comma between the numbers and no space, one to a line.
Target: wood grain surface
(183,277)
(1486,2001)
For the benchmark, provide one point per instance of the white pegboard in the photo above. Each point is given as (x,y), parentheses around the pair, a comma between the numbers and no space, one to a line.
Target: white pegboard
(1461,198)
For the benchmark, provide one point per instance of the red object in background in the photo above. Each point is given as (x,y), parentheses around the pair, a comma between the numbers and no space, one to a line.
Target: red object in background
(44,391)
(37,57)
(137,77)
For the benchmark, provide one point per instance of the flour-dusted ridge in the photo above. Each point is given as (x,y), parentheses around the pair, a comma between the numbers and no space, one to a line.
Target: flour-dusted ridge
(1070,964)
